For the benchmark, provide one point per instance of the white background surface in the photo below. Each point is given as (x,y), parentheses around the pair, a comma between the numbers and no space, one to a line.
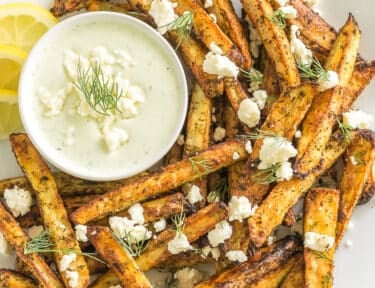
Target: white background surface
(355,266)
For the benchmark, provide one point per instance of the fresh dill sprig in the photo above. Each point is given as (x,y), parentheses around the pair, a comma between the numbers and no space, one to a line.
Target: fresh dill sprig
(100,94)
(358,157)
(200,166)
(253,75)
(178,221)
(279,18)
(170,282)
(313,72)
(182,25)
(134,248)
(268,175)
(346,131)
(42,244)
(321,255)
(221,190)
(262,134)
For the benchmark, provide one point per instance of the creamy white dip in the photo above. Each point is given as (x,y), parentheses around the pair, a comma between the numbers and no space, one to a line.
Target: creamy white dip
(73,141)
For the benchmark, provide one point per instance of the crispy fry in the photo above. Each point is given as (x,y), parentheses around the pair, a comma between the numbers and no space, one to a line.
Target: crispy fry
(62,7)
(228,21)
(296,277)
(54,215)
(235,92)
(271,85)
(354,177)
(368,192)
(106,280)
(325,109)
(17,238)
(275,41)
(96,5)
(10,278)
(321,207)
(285,194)
(186,259)
(117,258)
(196,226)
(283,252)
(172,176)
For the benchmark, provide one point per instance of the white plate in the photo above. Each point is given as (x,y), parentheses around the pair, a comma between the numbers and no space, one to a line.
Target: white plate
(354,266)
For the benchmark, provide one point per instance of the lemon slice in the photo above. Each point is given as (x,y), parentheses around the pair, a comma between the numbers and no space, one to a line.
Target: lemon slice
(11,61)
(9,117)
(22,24)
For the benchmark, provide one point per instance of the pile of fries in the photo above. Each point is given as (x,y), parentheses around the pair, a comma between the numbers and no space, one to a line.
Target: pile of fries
(220,170)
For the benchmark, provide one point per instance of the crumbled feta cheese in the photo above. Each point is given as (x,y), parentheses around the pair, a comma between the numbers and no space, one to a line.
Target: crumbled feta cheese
(289,11)
(348,243)
(236,256)
(218,64)
(318,242)
(236,155)
(222,232)
(240,208)
(213,197)
(160,225)
(353,160)
(53,102)
(249,113)
(219,134)
(73,277)
(260,97)
(213,17)
(357,119)
(123,58)
(35,231)
(275,150)
(298,134)
(311,3)
(114,138)
(4,245)
(179,244)
(331,81)
(194,195)
(284,172)
(162,11)
(18,200)
(123,227)
(302,54)
(101,56)
(281,2)
(215,253)
(248,147)
(188,277)
(136,213)
(208,3)
(66,260)
(81,233)
(180,140)
(207,250)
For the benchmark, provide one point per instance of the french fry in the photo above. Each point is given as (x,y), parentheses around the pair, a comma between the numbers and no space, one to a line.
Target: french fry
(296,277)
(285,194)
(246,274)
(275,41)
(100,5)
(174,154)
(325,109)
(186,259)
(321,207)
(271,85)
(196,226)
(106,280)
(10,278)
(17,239)
(54,215)
(170,177)
(229,23)
(117,258)
(362,150)
(62,7)
(235,92)
(368,192)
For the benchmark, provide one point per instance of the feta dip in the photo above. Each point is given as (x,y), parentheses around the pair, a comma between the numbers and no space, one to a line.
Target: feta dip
(131,63)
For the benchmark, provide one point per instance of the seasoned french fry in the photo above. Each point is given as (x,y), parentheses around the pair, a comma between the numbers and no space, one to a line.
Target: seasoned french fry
(362,151)
(296,277)
(186,259)
(284,252)
(285,194)
(106,280)
(321,207)
(170,177)
(196,226)
(368,192)
(228,21)
(325,109)
(235,92)
(62,7)
(275,41)
(54,215)
(117,258)
(271,85)
(96,5)
(17,239)
(10,278)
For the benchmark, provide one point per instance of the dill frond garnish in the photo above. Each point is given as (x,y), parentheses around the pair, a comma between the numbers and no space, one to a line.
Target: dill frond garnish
(252,75)
(268,175)
(220,192)
(101,95)
(321,255)
(200,166)
(313,72)
(346,131)
(182,25)
(279,18)
(133,247)
(262,134)
(178,221)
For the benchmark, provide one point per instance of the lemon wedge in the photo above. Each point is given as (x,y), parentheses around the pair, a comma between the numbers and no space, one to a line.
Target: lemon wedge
(11,61)
(9,117)
(22,24)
